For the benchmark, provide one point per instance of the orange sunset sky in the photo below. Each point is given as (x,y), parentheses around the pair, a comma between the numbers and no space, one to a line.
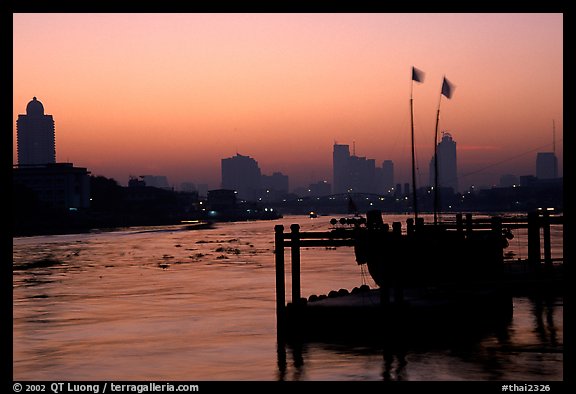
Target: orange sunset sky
(173,94)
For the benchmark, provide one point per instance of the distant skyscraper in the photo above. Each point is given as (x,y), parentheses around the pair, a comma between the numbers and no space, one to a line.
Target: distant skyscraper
(353,173)
(340,158)
(36,137)
(447,163)
(388,175)
(362,174)
(546,165)
(241,173)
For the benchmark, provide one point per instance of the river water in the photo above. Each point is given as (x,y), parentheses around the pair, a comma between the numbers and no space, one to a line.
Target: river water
(164,303)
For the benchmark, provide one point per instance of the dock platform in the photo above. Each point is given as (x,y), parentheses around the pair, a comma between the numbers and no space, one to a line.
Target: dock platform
(439,308)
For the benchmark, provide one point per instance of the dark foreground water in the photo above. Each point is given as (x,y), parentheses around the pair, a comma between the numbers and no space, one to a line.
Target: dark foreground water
(162,303)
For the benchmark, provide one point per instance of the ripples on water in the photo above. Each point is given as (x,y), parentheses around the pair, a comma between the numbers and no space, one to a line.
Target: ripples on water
(162,303)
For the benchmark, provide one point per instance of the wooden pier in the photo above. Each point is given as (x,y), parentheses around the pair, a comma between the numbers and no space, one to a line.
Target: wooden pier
(371,306)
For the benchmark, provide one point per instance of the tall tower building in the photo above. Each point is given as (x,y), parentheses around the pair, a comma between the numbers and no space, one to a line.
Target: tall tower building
(241,173)
(388,174)
(340,167)
(36,137)
(447,163)
(546,165)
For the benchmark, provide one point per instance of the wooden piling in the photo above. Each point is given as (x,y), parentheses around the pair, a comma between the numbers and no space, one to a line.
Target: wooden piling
(398,291)
(459,223)
(410,226)
(469,224)
(419,224)
(280,285)
(496,225)
(397,228)
(295,252)
(534,240)
(546,235)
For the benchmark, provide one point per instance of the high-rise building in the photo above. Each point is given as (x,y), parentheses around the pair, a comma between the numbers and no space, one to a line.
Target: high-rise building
(387,175)
(447,164)
(546,165)
(362,175)
(36,137)
(354,174)
(242,174)
(341,172)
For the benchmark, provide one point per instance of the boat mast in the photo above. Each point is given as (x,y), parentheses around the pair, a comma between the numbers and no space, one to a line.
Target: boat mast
(436,163)
(418,76)
(414,199)
(446,91)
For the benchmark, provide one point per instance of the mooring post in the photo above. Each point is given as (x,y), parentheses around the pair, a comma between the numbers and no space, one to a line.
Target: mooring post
(496,228)
(547,245)
(469,224)
(496,225)
(410,226)
(398,276)
(397,228)
(419,225)
(295,252)
(280,285)
(534,240)
(459,223)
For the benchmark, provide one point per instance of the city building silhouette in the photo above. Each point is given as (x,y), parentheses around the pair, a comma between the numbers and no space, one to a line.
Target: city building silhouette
(341,173)
(36,136)
(447,164)
(358,174)
(242,174)
(546,165)
(56,185)
(387,175)
(277,182)
(159,181)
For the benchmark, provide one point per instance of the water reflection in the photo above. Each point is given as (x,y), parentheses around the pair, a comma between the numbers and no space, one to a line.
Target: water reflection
(392,372)
(507,349)
(545,328)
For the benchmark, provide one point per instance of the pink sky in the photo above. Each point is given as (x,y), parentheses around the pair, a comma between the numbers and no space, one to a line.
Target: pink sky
(172,94)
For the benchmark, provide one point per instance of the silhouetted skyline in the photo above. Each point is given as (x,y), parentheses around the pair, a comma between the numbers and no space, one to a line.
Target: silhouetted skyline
(283,88)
